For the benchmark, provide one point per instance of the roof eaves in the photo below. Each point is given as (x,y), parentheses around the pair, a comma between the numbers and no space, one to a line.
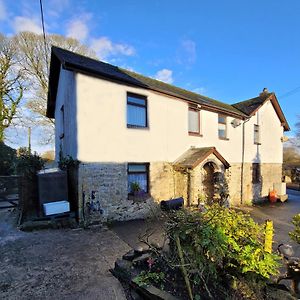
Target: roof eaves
(233,112)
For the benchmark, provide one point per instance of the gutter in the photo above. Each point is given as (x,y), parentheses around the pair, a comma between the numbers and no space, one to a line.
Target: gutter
(204,103)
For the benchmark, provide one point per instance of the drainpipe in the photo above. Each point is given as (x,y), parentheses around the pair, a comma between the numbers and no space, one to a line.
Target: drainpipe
(189,187)
(243,161)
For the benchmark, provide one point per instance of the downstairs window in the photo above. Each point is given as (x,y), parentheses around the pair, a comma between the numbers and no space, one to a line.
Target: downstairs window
(138,177)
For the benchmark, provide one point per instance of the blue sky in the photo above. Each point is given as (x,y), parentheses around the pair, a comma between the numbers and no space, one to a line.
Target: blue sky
(227,50)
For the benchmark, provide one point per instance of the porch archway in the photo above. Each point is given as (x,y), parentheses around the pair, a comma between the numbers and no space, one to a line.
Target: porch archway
(208,180)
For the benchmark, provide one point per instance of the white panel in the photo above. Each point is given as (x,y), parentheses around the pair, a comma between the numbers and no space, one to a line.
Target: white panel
(57,207)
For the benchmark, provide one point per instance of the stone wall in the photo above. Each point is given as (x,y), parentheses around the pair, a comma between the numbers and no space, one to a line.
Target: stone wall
(166,183)
(271,173)
(103,194)
(252,192)
(233,175)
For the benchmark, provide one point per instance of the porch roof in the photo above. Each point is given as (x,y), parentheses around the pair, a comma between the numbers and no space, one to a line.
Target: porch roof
(194,156)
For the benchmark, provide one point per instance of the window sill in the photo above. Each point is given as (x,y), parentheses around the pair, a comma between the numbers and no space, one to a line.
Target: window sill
(139,198)
(224,139)
(137,127)
(195,134)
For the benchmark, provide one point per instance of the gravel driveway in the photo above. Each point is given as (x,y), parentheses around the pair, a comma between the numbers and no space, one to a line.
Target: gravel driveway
(58,264)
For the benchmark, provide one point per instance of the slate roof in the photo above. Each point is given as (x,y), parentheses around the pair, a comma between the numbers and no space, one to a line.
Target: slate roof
(249,107)
(76,62)
(194,156)
(79,63)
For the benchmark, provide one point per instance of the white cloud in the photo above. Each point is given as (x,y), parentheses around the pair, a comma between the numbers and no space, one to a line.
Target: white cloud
(187,52)
(164,75)
(56,7)
(78,29)
(189,48)
(26,24)
(3,13)
(105,48)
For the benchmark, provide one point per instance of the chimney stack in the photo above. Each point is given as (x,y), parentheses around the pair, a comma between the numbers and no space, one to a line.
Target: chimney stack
(264,92)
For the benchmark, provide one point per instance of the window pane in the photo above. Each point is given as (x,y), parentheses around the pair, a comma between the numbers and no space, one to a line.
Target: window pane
(222,133)
(222,119)
(136,115)
(256,134)
(136,168)
(141,179)
(136,100)
(222,127)
(194,121)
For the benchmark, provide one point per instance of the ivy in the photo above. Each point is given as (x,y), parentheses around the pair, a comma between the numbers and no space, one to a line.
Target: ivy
(67,162)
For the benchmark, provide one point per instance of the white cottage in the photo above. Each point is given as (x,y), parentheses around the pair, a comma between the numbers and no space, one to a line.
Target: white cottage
(132,132)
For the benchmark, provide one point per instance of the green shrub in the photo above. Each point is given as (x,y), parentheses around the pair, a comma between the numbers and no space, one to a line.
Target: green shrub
(28,164)
(146,278)
(295,235)
(7,160)
(221,246)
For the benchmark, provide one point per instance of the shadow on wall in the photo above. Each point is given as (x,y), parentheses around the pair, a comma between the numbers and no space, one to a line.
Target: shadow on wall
(257,179)
(66,118)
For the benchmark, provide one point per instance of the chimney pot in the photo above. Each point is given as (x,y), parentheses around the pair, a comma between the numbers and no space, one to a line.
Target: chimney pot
(264,92)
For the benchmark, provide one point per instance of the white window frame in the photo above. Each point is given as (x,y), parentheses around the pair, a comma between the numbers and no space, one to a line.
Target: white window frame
(226,127)
(256,133)
(195,133)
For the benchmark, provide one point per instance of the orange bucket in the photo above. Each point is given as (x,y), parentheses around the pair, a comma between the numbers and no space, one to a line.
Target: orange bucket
(273,196)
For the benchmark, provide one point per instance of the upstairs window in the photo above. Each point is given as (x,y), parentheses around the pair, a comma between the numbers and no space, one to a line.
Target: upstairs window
(256,134)
(138,174)
(136,111)
(194,121)
(222,127)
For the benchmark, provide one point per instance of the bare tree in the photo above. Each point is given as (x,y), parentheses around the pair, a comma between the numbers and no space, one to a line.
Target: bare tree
(34,57)
(298,127)
(291,156)
(11,83)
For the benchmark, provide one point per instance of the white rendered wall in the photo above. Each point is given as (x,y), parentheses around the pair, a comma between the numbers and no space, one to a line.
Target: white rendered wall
(66,96)
(271,131)
(103,135)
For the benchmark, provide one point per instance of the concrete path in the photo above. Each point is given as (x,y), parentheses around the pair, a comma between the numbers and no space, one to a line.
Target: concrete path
(133,231)
(281,214)
(58,264)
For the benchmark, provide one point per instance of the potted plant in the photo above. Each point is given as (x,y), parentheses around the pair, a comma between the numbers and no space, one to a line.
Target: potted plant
(135,188)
